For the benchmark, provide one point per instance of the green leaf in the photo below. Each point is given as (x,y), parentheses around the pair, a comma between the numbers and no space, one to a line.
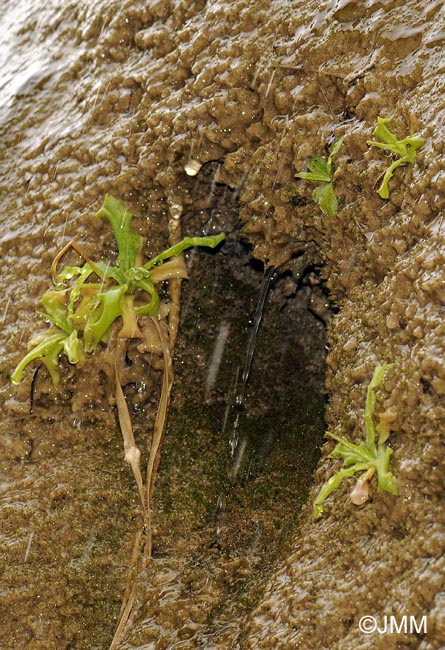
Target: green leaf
(406,149)
(101,319)
(51,361)
(318,170)
(187,242)
(350,452)
(129,242)
(385,479)
(73,348)
(321,170)
(331,485)
(326,199)
(388,139)
(138,278)
(54,304)
(46,347)
(68,273)
(105,271)
(150,308)
(75,293)
(364,456)
(383,190)
(335,148)
(375,382)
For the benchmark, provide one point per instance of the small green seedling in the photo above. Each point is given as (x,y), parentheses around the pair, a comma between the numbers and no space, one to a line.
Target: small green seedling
(321,170)
(367,457)
(85,304)
(406,149)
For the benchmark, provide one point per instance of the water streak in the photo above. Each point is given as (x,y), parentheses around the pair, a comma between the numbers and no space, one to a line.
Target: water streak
(240,398)
(237,442)
(217,355)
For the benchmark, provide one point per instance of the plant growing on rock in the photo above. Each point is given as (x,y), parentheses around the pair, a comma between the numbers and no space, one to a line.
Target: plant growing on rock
(98,303)
(322,170)
(368,457)
(405,149)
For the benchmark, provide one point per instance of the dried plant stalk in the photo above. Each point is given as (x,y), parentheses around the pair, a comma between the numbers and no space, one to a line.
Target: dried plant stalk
(159,428)
(132,452)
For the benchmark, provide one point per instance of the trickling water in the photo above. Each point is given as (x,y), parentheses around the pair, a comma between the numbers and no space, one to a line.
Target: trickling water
(256,322)
(215,361)
(237,442)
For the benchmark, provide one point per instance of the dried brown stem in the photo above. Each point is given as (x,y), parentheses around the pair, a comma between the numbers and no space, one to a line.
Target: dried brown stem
(127,608)
(159,427)
(132,453)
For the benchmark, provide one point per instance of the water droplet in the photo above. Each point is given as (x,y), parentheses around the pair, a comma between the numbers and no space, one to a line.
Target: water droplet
(192,167)
(175,210)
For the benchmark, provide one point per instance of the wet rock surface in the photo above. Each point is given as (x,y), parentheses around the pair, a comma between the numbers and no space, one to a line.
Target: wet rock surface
(122,99)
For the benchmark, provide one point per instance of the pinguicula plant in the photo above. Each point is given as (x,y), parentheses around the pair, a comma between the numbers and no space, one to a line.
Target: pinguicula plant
(99,303)
(369,457)
(322,170)
(405,150)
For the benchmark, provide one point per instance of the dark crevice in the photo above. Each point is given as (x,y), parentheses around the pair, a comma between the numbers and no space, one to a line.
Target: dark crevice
(234,480)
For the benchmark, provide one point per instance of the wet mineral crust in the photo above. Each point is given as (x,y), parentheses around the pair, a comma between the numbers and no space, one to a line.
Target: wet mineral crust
(123,97)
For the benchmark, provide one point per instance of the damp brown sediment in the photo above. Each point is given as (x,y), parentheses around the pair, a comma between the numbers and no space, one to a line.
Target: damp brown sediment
(120,99)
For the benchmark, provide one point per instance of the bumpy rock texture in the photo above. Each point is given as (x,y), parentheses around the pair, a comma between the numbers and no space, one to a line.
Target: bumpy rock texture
(120,97)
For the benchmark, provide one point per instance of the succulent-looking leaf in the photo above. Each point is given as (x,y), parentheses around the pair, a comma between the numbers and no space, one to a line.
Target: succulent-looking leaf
(326,199)
(46,347)
(188,242)
(406,149)
(101,319)
(375,382)
(73,348)
(55,312)
(332,484)
(129,242)
(364,456)
(321,170)
(82,312)
(334,148)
